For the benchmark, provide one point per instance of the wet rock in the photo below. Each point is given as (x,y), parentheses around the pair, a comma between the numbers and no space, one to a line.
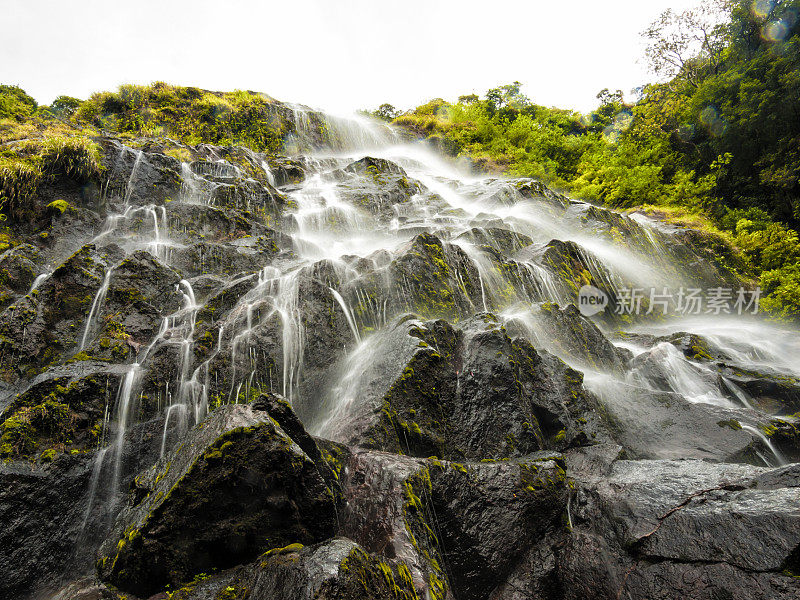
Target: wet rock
(663,529)
(784,436)
(569,334)
(505,241)
(693,346)
(652,424)
(772,391)
(248,196)
(436,279)
(200,258)
(285,170)
(711,258)
(281,410)
(62,409)
(68,231)
(271,326)
(429,389)
(376,185)
(460,528)
(235,487)
(574,267)
(533,189)
(487,515)
(139,177)
(190,222)
(40,508)
(50,530)
(19,267)
(141,293)
(41,326)
(335,570)
(87,588)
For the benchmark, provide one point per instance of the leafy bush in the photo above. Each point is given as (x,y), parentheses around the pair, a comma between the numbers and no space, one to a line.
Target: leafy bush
(65,106)
(25,166)
(15,103)
(18,182)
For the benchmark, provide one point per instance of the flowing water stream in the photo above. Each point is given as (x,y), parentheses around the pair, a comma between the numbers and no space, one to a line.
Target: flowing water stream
(344,218)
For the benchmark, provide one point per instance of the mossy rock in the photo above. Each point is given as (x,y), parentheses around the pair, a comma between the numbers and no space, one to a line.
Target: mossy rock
(236,486)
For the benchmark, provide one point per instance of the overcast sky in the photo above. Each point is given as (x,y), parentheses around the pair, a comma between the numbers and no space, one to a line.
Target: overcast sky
(335,54)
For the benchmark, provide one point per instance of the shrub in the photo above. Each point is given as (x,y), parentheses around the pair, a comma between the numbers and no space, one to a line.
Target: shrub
(15,103)
(65,106)
(31,162)
(76,157)
(19,180)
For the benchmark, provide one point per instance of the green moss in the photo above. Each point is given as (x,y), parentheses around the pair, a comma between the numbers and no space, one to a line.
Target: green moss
(24,432)
(59,206)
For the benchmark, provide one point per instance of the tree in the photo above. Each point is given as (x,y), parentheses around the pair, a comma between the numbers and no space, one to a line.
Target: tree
(687,45)
(610,104)
(15,103)
(386,112)
(65,106)
(508,95)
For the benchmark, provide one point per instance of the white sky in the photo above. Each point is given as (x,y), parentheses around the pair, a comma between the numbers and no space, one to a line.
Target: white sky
(333,54)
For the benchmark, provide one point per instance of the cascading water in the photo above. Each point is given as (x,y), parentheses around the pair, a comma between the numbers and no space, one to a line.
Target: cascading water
(96,304)
(302,303)
(330,226)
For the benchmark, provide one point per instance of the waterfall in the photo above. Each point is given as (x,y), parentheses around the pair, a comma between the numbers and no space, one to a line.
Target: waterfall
(302,301)
(779,458)
(97,303)
(126,397)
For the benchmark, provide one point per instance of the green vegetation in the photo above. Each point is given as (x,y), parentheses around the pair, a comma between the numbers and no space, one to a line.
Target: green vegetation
(50,422)
(36,147)
(187,113)
(32,162)
(718,138)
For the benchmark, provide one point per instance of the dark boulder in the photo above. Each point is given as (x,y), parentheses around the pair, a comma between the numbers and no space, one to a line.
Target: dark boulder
(473,392)
(237,486)
(687,529)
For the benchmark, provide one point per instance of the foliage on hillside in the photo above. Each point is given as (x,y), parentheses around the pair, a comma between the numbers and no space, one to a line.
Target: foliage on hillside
(720,136)
(188,114)
(40,143)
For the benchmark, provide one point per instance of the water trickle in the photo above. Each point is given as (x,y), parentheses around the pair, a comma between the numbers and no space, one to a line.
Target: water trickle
(131,185)
(124,409)
(40,279)
(695,382)
(94,484)
(347,313)
(780,460)
(97,303)
(268,173)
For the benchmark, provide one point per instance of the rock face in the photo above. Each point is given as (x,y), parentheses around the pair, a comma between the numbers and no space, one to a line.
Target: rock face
(465,393)
(664,529)
(360,373)
(237,486)
(460,528)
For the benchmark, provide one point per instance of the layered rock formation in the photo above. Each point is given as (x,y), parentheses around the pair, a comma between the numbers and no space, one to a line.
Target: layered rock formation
(362,375)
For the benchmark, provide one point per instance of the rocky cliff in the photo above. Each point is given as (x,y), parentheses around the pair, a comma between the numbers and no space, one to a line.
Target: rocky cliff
(350,370)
